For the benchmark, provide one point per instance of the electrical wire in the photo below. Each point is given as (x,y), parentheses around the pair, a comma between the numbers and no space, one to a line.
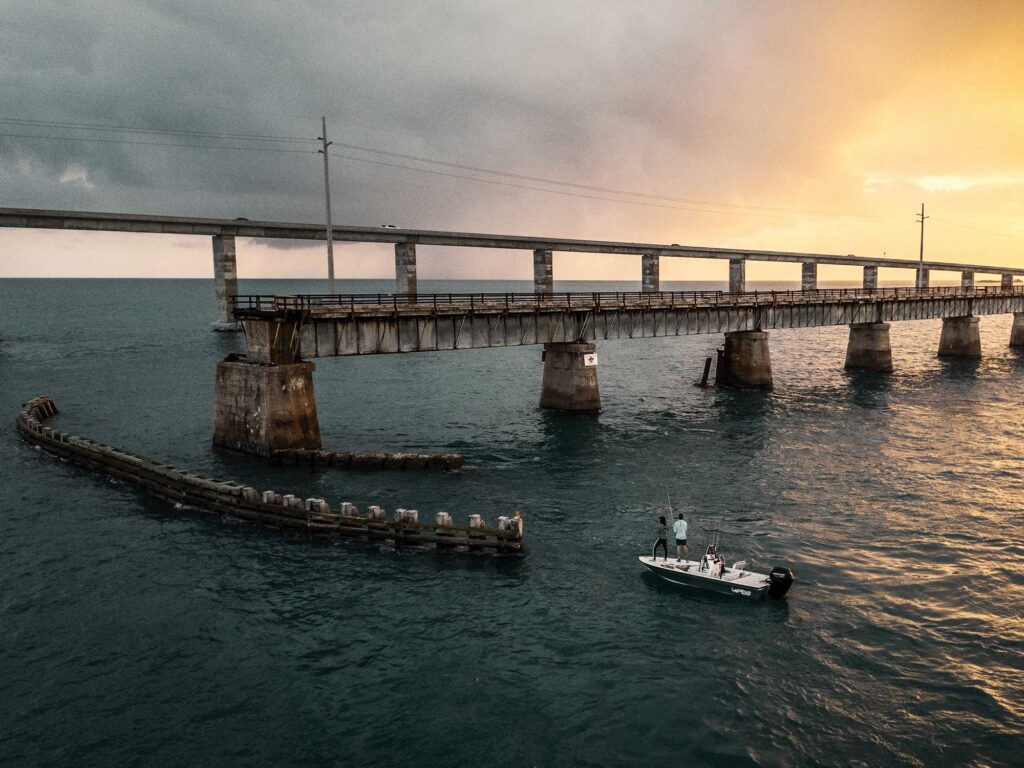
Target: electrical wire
(158,143)
(608,190)
(562,192)
(990,233)
(581,190)
(160,131)
(446,164)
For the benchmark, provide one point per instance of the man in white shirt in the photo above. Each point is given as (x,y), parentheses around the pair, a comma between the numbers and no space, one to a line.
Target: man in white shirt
(679,528)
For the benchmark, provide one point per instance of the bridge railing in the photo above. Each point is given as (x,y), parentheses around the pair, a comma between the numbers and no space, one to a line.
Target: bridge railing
(262,303)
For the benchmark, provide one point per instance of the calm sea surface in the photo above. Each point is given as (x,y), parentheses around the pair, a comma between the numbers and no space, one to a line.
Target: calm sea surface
(131,634)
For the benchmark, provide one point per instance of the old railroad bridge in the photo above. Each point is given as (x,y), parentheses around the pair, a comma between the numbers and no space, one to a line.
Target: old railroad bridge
(265,400)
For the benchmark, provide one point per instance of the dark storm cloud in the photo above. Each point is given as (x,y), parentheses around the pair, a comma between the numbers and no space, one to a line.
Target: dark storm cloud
(738,102)
(566,89)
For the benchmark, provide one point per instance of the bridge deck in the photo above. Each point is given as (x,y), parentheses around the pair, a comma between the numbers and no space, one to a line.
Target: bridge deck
(34,218)
(385,324)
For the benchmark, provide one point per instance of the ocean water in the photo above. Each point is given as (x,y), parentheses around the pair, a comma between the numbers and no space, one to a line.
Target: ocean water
(136,635)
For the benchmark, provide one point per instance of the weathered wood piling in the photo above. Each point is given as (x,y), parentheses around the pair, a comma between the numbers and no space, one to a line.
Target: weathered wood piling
(312,516)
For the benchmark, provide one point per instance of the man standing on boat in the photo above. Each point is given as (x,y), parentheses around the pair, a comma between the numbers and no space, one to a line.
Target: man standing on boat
(662,540)
(679,528)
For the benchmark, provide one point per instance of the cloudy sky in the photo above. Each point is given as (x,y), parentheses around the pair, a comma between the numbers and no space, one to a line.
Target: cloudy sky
(785,125)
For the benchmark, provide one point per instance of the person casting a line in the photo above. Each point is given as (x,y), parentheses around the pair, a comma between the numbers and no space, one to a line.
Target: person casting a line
(679,529)
(662,540)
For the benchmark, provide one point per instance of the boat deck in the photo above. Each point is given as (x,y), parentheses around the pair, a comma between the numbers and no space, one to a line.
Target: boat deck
(691,568)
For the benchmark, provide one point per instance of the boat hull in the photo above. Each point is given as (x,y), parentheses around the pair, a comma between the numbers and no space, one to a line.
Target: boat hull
(747,589)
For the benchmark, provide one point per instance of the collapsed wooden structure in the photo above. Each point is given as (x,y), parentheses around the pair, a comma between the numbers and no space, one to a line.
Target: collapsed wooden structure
(312,516)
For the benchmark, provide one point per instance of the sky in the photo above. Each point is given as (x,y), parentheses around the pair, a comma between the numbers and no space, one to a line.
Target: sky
(802,126)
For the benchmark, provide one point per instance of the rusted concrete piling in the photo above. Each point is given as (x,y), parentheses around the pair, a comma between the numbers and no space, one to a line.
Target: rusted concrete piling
(1017,330)
(313,516)
(868,348)
(960,337)
(264,408)
(570,378)
(745,361)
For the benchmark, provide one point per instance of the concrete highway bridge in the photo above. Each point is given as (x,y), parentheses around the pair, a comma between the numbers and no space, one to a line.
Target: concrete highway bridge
(265,399)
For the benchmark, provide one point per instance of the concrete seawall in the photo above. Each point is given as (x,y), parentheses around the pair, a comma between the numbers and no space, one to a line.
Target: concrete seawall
(312,516)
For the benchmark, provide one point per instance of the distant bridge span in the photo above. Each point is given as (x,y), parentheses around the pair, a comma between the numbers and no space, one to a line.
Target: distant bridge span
(405,241)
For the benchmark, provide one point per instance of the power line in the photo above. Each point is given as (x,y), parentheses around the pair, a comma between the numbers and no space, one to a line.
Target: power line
(608,190)
(562,192)
(157,143)
(988,232)
(168,131)
(442,163)
(644,198)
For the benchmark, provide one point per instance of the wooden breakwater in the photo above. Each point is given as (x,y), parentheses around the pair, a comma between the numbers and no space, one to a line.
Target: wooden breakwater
(312,516)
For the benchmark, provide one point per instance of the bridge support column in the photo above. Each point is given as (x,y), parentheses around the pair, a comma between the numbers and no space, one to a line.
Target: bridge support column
(1006,281)
(405,268)
(264,408)
(1017,331)
(744,362)
(960,337)
(868,348)
(651,273)
(543,272)
(737,275)
(225,281)
(809,276)
(923,278)
(967,279)
(264,401)
(870,278)
(570,378)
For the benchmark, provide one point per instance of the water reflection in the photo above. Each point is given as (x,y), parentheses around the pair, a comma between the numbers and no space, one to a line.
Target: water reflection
(869,389)
(960,368)
(743,415)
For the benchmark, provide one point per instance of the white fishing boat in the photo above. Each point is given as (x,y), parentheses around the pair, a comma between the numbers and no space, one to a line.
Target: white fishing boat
(711,574)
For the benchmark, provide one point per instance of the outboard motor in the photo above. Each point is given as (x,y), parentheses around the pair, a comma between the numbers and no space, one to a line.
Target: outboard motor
(781,579)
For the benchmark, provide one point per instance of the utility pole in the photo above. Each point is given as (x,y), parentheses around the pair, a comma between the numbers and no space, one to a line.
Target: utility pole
(327,199)
(920,269)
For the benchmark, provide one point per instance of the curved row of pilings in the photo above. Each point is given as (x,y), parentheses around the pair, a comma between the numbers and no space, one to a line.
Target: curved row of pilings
(312,516)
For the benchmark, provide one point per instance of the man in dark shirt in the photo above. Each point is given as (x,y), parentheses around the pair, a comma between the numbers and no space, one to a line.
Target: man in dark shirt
(662,540)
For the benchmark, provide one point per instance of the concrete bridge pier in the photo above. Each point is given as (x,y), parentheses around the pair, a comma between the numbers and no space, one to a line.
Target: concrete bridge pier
(868,348)
(570,378)
(809,276)
(651,273)
(264,402)
(744,362)
(225,282)
(1017,331)
(405,268)
(923,278)
(960,337)
(1006,281)
(737,275)
(967,279)
(543,272)
(871,278)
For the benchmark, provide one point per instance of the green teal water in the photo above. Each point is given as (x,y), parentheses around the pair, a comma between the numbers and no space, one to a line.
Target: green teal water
(133,634)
